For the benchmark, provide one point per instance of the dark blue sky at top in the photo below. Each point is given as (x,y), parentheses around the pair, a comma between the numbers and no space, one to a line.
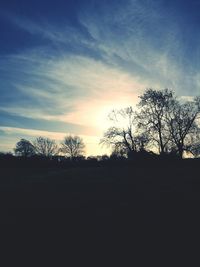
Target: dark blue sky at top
(185,13)
(56,12)
(47,46)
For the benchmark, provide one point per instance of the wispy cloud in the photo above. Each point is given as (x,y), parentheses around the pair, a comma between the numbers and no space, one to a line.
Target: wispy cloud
(146,39)
(76,88)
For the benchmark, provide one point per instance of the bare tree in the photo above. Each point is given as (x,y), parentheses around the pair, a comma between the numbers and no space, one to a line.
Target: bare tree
(123,136)
(162,121)
(73,146)
(183,126)
(45,147)
(153,107)
(170,123)
(24,148)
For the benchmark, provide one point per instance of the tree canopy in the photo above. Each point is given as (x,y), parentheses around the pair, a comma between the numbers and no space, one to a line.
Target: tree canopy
(45,147)
(24,148)
(163,123)
(72,146)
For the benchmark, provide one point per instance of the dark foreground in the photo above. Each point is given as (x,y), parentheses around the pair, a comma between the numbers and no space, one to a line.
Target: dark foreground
(132,206)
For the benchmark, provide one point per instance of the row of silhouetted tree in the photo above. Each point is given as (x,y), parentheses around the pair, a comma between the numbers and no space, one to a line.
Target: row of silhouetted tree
(71,146)
(162,123)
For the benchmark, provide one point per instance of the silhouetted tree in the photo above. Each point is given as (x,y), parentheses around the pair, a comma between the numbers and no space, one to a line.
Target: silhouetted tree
(24,148)
(45,147)
(162,122)
(123,136)
(182,121)
(170,124)
(73,146)
(153,107)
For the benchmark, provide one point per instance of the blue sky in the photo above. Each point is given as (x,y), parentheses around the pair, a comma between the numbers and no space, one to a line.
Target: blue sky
(65,64)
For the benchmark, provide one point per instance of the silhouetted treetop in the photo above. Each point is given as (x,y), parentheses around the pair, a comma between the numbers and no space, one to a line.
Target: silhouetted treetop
(45,147)
(123,137)
(24,148)
(72,146)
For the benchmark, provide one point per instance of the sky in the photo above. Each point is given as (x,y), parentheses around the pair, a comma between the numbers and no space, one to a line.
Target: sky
(64,65)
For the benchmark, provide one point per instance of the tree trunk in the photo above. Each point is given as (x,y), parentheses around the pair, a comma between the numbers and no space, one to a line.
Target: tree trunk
(180,151)
(161,143)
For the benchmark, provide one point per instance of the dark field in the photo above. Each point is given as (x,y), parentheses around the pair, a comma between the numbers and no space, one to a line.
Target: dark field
(142,202)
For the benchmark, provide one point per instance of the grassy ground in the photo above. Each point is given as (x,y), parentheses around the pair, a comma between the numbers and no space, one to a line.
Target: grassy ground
(98,189)
(107,203)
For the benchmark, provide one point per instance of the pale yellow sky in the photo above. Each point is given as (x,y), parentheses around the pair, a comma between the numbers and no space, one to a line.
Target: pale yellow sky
(91,142)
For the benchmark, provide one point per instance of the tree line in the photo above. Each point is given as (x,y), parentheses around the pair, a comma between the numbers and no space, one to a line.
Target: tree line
(71,146)
(161,124)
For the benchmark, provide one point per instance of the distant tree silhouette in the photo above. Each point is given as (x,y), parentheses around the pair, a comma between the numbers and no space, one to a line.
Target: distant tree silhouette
(24,148)
(182,121)
(153,108)
(45,147)
(123,136)
(73,146)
